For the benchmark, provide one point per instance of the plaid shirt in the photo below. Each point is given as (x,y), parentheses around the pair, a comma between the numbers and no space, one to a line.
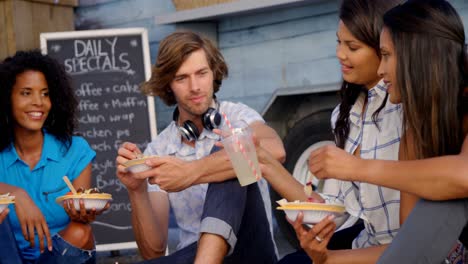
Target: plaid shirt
(188,204)
(377,206)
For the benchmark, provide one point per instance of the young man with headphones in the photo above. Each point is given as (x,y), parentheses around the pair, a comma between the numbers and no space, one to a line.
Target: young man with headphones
(219,220)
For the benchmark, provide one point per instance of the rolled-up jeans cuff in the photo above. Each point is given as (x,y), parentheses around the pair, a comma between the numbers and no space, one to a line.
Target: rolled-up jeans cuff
(217,226)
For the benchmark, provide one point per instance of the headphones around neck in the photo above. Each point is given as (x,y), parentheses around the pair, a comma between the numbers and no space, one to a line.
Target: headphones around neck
(211,119)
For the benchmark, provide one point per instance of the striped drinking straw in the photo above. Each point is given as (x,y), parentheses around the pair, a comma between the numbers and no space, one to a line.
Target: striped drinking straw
(242,149)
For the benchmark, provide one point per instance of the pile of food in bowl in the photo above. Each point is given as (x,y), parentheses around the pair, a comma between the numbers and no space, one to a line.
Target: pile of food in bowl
(92,198)
(5,200)
(138,165)
(313,212)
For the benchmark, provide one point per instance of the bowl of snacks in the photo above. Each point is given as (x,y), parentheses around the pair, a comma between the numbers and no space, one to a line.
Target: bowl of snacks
(313,212)
(92,198)
(138,165)
(5,200)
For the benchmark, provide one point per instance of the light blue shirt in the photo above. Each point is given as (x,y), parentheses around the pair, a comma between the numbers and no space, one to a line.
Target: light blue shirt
(44,182)
(188,204)
(377,206)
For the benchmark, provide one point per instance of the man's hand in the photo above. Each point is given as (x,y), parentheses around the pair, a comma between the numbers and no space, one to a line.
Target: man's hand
(333,162)
(315,241)
(127,152)
(268,164)
(170,173)
(32,221)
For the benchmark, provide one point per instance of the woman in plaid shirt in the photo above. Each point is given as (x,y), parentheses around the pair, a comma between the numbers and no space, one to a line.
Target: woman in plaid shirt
(367,125)
(430,81)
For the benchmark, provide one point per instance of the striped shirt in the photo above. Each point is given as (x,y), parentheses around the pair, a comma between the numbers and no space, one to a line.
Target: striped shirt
(378,207)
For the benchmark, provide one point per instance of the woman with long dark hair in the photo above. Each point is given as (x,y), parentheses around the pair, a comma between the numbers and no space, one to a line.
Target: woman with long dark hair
(366,125)
(424,61)
(37,148)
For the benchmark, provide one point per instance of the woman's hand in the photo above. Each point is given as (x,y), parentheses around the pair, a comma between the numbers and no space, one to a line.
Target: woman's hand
(82,216)
(332,162)
(31,220)
(315,241)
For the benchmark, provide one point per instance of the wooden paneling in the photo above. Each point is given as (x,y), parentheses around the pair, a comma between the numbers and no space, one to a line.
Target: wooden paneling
(71,3)
(278,16)
(94,14)
(120,13)
(190,4)
(294,48)
(23,21)
(288,48)
(23,25)
(7,36)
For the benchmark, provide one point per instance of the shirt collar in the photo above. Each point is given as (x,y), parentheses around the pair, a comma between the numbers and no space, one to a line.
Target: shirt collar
(380,90)
(377,93)
(51,150)
(175,143)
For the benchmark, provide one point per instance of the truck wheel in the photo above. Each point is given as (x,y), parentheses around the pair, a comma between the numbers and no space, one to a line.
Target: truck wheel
(305,136)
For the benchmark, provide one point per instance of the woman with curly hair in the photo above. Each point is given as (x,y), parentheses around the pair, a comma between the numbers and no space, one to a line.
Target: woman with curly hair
(37,148)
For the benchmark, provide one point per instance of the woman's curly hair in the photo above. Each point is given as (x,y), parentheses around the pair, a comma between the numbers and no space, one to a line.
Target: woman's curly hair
(61,120)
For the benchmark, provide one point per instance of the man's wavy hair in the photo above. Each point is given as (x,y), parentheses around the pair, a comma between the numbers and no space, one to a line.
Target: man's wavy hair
(61,120)
(173,51)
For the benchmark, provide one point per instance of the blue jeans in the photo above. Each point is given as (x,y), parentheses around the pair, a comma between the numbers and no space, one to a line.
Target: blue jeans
(62,251)
(9,252)
(342,239)
(429,233)
(242,208)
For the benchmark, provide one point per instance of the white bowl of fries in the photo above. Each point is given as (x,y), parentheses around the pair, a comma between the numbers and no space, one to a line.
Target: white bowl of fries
(313,212)
(5,200)
(92,199)
(138,165)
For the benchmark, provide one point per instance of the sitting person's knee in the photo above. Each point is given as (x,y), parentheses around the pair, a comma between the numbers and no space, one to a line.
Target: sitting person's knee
(79,235)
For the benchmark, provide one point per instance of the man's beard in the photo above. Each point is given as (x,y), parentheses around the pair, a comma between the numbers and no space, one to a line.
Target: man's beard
(197,110)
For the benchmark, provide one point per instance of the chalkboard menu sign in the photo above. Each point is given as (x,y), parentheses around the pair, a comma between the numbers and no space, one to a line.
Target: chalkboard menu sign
(106,68)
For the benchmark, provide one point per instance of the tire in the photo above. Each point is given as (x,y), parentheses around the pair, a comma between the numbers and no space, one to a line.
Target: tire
(307,134)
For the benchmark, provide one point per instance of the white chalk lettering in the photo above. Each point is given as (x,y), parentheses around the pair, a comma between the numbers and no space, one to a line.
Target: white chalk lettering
(142,145)
(123,117)
(119,207)
(107,183)
(97,133)
(91,119)
(103,146)
(91,47)
(87,89)
(102,167)
(87,105)
(125,88)
(128,102)
(122,133)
